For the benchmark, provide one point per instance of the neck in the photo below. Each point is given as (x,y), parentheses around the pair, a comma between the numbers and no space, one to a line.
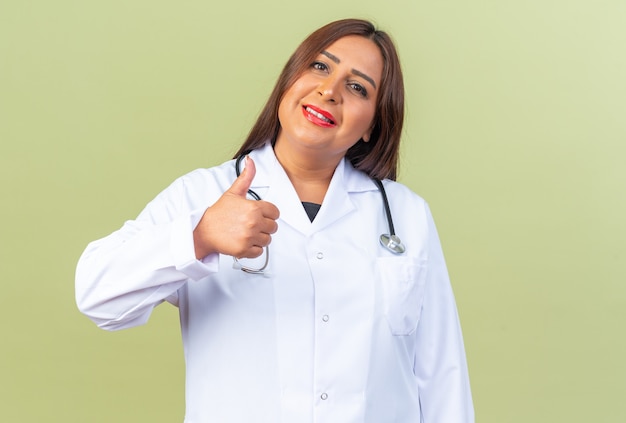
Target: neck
(309,175)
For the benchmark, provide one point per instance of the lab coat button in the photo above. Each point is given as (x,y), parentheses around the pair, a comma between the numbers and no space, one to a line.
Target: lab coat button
(324,396)
(325,318)
(320,256)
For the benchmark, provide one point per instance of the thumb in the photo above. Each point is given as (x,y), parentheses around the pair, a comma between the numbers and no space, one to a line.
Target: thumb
(242,184)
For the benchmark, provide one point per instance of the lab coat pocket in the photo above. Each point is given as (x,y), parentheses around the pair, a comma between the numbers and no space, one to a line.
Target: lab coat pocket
(402,281)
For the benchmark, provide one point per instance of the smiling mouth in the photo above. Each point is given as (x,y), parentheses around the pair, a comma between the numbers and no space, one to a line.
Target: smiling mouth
(317,116)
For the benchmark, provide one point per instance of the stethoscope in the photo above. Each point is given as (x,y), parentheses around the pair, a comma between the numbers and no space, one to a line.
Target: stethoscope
(390,241)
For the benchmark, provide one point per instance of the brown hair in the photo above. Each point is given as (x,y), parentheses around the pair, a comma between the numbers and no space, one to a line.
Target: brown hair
(378,157)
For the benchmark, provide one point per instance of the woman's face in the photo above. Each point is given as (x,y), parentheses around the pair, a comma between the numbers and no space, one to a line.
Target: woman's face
(332,104)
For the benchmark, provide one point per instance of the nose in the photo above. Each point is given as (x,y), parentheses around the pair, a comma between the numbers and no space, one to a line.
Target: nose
(329,90)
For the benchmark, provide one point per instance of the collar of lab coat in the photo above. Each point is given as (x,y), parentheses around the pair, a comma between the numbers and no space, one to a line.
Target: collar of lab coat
(273,184)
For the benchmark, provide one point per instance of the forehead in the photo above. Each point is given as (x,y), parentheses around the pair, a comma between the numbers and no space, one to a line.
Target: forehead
(358,53)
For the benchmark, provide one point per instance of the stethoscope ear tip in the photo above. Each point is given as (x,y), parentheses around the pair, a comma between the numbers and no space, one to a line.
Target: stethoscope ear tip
(392,243)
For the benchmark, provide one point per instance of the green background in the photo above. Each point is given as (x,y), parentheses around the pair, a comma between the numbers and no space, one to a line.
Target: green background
(516,135)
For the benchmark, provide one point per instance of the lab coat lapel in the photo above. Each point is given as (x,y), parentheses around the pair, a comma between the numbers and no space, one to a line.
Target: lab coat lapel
(279,190)
(284,196)
(337,202)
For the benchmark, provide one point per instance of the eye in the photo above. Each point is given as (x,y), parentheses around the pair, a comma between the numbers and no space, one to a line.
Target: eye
(358,89)
(319,66)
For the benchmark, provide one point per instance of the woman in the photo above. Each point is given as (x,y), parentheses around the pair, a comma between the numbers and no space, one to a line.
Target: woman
(326,324)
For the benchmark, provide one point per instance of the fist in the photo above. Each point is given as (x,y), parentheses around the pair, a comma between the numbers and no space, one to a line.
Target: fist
(235,225)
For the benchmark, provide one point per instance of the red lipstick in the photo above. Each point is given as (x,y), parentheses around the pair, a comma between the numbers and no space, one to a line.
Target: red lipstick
(318,116)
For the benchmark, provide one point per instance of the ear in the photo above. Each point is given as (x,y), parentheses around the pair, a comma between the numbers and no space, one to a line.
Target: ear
(366,136)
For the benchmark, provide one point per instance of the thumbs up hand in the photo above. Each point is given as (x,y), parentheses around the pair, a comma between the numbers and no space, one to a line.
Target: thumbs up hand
(234,225)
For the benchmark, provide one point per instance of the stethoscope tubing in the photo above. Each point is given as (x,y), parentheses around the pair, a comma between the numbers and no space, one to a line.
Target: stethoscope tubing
(238,172)
(383,193)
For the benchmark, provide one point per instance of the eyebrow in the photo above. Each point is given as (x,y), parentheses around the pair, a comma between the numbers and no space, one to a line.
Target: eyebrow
(354,71)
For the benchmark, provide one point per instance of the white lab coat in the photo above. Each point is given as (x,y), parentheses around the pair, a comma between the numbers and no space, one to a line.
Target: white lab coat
(340,331)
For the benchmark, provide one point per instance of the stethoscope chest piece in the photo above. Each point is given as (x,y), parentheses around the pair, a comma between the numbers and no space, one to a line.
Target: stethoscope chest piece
(392,243)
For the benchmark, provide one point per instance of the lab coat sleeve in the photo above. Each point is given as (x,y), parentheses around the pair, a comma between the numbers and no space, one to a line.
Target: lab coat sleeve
(122,277)
(440,363)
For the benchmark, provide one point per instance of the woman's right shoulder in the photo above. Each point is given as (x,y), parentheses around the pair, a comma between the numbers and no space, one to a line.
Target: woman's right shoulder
(220,176)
